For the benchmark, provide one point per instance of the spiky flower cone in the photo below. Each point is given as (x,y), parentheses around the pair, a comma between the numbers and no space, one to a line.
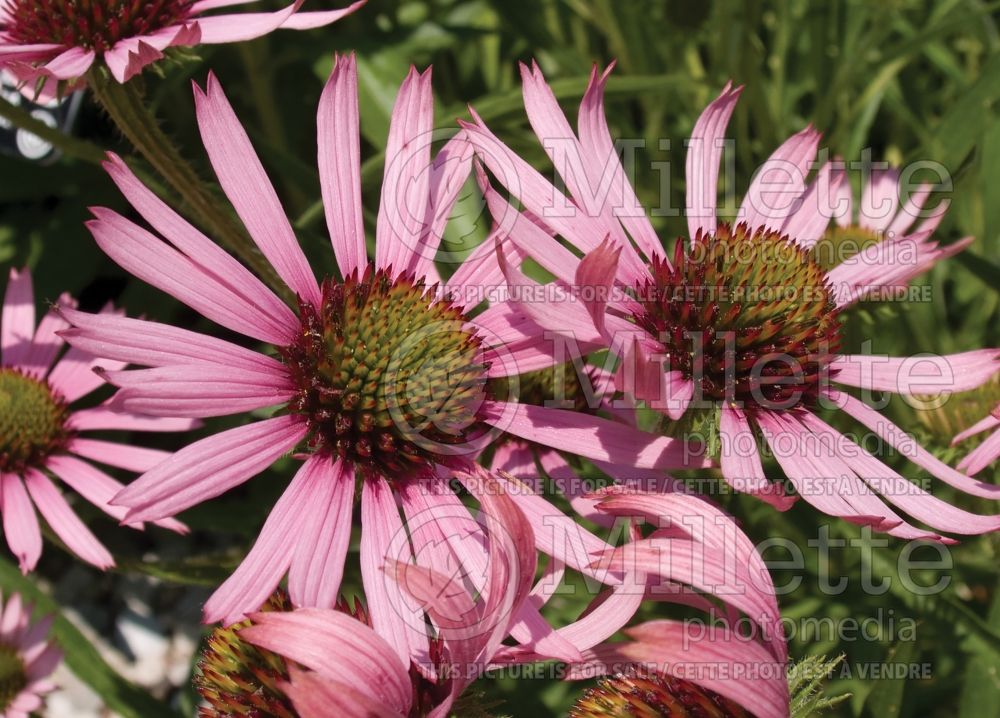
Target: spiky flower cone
(652,695)
(238,679)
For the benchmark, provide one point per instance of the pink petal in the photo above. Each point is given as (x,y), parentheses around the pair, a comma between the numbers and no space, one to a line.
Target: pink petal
(535,192)
(448,174)
(592,437)
(406,181)
(918,374)
(157,263)
(990,421)
(101,417)
(73,376)
(383,537)
(143,342)
(777,186)
(480,273)
(316,697)
(277,324)
(703,157)
(210,467)
(246,185)
(311,20)
(20,524)
(241,27)
(65,523)
(599,149)
(596,276)
(260,572)
(982,456)
(123,456)
(71,64)
(197,391)
(46,344)
(340,164)
(741,465)
(17,320)
(905,494)
(337,647)
(807,224)
(879,200)
(325,533)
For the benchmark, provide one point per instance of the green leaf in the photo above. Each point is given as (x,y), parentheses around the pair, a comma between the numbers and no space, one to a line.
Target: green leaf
(981,689)
(118,694)
(887,700)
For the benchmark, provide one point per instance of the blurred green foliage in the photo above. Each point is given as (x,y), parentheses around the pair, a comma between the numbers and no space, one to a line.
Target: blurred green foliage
(910,79)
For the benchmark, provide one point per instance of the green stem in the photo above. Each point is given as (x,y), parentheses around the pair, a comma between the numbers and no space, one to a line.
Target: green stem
(128,110)
(69,146)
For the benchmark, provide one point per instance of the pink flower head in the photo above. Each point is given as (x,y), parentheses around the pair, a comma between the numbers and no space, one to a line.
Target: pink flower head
(987,452)
(381,376)
(741,324)
(28,659)
(42,435)
(62,39)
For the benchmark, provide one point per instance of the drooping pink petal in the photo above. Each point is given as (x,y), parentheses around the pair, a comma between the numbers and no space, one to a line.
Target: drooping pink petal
(70,64)
(17,320)
(272,554)
(339,158)
(382,538)
(337,647)
(277,323)
(325,533)
(405,181)
(319,18)
(20,523)
(64,522)
(592,437)
(703,157)
(917,374)
(246,185)
(210,467)
(907,495)
(740,459)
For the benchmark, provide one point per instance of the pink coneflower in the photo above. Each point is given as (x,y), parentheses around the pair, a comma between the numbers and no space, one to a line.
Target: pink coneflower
(987,452)
(62,39)
(380,377)
(41,434)
(27,659)
(738,331)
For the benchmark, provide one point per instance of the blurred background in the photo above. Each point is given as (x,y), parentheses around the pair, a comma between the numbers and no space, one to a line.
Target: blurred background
(909,79)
